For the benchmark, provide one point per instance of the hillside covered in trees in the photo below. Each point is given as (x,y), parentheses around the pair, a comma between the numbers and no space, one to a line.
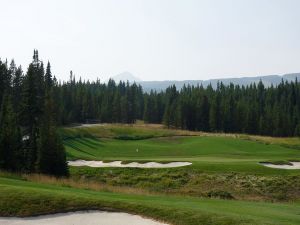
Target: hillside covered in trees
(253,109)
(33,103)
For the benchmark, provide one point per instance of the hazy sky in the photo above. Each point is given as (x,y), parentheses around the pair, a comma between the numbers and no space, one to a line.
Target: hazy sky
(154,39)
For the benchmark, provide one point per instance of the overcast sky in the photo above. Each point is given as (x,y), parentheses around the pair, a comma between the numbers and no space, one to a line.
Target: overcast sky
(154,39)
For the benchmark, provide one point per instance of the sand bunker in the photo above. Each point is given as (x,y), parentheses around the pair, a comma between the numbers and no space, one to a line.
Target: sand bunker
(295,166)
(132,164)
(79,218)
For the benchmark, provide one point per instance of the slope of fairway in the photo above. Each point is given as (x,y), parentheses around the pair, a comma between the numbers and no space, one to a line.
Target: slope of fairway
(206,153)
(20,198)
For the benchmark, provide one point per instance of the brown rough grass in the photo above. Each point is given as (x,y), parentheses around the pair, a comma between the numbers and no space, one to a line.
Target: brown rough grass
(83,184)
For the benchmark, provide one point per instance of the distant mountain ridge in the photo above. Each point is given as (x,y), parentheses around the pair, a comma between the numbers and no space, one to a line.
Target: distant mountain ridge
(267,80)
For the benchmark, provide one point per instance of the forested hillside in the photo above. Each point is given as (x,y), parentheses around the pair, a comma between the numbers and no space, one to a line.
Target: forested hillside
(253,109)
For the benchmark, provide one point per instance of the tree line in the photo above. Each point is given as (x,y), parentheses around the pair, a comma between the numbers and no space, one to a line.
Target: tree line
(34,103)
(28,136)
(253,109)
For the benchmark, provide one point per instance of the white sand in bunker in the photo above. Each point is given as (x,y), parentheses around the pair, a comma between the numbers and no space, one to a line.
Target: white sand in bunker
(294,166)
(79,218)
(132,164)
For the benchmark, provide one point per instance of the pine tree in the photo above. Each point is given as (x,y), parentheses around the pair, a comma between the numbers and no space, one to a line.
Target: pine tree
(10,139)
(51,153)
(17,82)
(147,108)
(297,130)
(51,157)
(5,80)
(48,77)
(116,108)
(215,114)
(204,114)
(172,110)
(32,109)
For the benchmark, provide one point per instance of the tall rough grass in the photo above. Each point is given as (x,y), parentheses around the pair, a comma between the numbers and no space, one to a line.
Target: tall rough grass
(83,184)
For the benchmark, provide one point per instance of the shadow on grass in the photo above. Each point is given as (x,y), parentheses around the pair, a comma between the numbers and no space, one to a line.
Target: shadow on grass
(93,143)
(73,146)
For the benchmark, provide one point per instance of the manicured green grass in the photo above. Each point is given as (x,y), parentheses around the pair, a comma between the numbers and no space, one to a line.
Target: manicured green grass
(208,153)
(23,198)
(220,162)
(224,166)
